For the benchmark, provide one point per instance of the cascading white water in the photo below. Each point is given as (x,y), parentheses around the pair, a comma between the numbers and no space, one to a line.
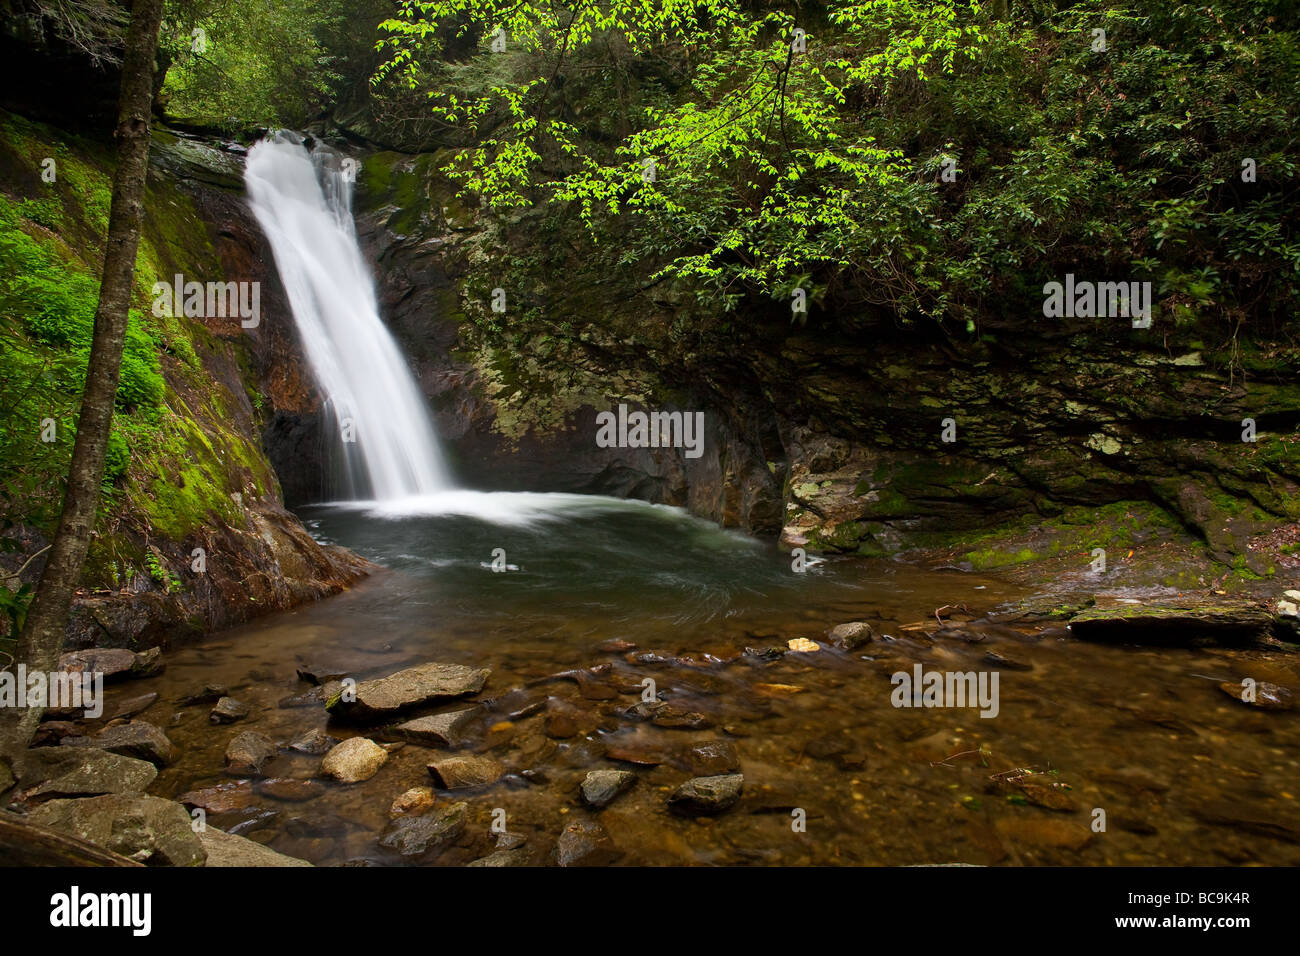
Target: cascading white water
(303,202)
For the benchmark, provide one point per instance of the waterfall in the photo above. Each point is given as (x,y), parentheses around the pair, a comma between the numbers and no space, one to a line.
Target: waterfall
(376,415)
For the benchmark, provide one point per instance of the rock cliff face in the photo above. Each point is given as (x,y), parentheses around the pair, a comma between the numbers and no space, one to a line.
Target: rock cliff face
(850,434)
(194,535)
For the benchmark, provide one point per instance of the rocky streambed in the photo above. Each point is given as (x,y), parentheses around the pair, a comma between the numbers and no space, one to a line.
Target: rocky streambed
(355,733)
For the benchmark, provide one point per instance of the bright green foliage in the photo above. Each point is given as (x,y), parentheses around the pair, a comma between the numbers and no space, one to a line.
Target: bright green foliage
(928,159)
(258,62)
(174,456)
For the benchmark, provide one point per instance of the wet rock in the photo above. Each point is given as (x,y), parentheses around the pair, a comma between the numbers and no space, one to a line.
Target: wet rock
(772,653)
(223,798)
(228,710)
(248,752)
(314,743)
(1005,663)
(589,686)
(668,715)
(707,796)
(226,849)
(142,828)
(416,686)
(527,709)
(53,772)
(561,725)
(1229,814)
(1229,623)
(290,790)
(113,662)
(1262,695)
(318,673)
(642,755)
(510,841)
(601,787)
(515,857)
(50,732)
(585,843)
(851,636)
(616,646)
(415,800)
(418,836)
(711,758)
(1043,831)
(354,760)
(139,739)
(317,825)
(535,748)
(209,694)
(437,730)
(1040,789)
(133,706)
(460,771)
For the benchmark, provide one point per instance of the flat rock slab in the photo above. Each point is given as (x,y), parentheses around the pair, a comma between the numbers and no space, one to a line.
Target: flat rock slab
(115,663)
(141,828)
(1180,626)
(706,796)
(228,710)
(227,849)
(436,730)
(223,798)
(414,687)
(53,772)
(418,836)
(139,739)
(132,706)
(465,770)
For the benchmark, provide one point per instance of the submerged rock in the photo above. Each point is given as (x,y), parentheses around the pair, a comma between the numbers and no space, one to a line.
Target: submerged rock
(412,687)
(711,758)
(133,706)
(142,828)
(228,710)
(601,787)
(417,836)
(1263,695)
(314,743)
(415,800)
(707,796)
(209,694)
(465,770)
(289,789)
(227,849)
(436,730)
(139,739)
(223,798)
(248,752)
(354,760)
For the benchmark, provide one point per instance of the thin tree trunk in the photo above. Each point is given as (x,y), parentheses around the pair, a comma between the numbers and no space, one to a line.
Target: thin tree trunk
(42,638)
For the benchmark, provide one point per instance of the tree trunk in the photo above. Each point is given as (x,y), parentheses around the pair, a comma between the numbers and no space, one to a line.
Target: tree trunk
(42,638)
